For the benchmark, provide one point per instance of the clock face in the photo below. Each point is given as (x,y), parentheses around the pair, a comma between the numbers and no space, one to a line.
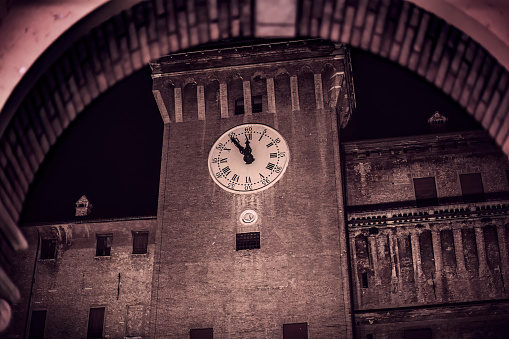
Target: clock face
(248,158)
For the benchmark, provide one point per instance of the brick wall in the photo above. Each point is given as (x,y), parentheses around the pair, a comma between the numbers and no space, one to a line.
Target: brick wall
(76,280)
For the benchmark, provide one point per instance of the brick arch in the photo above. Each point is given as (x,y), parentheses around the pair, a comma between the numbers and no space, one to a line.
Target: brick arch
(395,30)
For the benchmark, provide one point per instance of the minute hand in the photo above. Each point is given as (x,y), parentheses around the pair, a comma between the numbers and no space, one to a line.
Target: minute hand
(237,144)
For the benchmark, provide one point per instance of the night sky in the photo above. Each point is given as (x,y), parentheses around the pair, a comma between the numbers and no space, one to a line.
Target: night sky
(112,152)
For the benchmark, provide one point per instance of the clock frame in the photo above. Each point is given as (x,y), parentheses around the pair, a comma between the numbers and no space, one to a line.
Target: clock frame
(248,158)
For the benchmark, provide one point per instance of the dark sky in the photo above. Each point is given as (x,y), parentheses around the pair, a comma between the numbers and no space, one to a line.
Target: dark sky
(111,153)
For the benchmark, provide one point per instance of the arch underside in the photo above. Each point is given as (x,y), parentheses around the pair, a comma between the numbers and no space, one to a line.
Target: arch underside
(395,30)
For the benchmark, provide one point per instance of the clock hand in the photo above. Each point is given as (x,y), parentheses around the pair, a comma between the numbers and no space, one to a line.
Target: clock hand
(236,143)
(248,156)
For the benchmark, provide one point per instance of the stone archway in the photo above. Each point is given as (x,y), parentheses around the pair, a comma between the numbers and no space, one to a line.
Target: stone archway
(83,64)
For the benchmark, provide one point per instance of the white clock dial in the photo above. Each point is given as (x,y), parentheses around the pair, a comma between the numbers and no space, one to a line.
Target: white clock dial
(248,158)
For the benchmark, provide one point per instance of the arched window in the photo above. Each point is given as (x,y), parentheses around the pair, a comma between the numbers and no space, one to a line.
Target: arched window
(235,97)
(282,93)
(259,94)
(212,100)
(189,103)
(307,100)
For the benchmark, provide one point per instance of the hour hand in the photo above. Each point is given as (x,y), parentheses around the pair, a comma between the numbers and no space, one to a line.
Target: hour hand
(248,156)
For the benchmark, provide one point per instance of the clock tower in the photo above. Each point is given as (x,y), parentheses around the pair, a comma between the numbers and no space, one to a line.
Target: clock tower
(251,236)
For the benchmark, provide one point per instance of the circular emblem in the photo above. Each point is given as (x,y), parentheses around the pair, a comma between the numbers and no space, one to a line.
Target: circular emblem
(248,217)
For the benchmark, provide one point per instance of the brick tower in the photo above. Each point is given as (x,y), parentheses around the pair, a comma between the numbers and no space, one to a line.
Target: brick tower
(263,262)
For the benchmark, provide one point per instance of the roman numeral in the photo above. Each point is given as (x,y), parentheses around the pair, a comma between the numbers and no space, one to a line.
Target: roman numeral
(248,180)
(270,144)
(273,155)
(223,160)
(235,178)
(226,170)
(270,166)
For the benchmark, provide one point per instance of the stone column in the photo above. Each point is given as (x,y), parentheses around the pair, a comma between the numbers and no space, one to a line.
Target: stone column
(246,87)
(200,96)
(416,259)
(271,97)
(294,90)
(318,91)
(223,98)
(503,254)
(439,265)
(162,107)
(458,250)
(481,252)
(178,104)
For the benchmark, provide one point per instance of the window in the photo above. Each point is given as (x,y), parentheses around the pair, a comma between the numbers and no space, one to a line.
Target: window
(239,106)
(48,248)
(365,280)
(95,322)
(425,191)
(418,334)
(201,333)
(471,187)
(248,241)
(140,242)
(295,331)
(37,324)
(103,245)
(256,103)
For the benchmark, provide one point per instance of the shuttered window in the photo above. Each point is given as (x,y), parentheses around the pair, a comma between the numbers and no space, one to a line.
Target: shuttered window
(471,187)
(201,333)
(37,324)
(48,248)
(95,322)
(140,242)
(418,334)
(295,331)
(103,245)
(425,191)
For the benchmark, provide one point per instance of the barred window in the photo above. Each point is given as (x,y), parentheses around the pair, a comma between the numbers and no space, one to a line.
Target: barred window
(248,241)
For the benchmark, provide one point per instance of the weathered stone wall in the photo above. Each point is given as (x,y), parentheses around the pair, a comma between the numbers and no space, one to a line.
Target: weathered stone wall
(76,280)
(380,173)
(436,267)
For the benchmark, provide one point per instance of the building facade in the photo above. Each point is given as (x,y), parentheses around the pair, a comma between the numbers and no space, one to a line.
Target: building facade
(268,226)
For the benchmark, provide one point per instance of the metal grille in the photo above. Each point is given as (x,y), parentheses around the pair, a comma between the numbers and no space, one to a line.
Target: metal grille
(248,241)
